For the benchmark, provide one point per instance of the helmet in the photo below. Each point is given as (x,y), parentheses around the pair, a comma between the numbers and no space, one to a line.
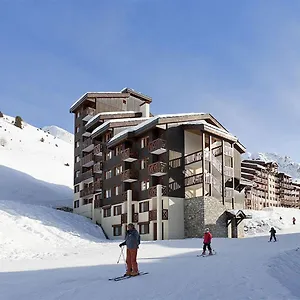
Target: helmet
(207,230)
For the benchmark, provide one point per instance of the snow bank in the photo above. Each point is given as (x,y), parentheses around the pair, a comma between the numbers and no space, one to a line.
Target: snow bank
(263,220)
(36,166)
(31,231)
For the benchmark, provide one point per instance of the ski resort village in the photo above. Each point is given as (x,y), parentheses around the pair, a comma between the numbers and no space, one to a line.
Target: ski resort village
(179,179)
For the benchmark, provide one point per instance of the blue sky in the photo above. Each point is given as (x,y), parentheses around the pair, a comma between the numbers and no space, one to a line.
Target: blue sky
(238,60)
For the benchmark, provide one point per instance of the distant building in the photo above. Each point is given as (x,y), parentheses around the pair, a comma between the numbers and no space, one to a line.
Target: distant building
(269,188)
(171,175)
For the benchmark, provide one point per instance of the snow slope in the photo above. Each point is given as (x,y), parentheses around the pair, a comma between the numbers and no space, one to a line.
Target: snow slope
(263,220)
(35,167)
(60,133)
(32,231)
(285,163)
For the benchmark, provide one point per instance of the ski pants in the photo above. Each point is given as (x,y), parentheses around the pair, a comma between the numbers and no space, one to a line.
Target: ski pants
(272,236)
(131,260)
(206,245)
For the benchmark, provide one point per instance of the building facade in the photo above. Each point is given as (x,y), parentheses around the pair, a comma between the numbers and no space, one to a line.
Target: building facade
(269,188)
(171,175)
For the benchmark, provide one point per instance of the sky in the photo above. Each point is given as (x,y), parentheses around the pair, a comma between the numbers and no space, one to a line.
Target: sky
(238,60)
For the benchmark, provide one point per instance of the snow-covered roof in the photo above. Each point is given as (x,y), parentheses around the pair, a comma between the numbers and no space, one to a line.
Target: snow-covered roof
(116,121)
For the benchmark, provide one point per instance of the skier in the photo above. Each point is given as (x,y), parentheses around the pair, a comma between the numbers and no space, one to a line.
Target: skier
(206,242)
(272,231)
(294,220)
(132,241)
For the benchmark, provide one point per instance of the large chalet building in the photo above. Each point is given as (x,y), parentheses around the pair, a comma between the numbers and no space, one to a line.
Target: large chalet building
(269,187)
(171,175)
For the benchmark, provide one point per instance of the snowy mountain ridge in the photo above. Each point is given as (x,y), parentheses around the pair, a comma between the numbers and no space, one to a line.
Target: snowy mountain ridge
(285,163)
(35,166)
(60,133)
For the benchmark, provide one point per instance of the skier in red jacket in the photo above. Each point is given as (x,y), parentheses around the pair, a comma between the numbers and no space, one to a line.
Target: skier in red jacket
(206,242)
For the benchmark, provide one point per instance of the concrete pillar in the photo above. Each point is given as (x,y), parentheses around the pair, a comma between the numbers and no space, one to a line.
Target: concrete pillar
(159,211)
(93,210)
(129,206)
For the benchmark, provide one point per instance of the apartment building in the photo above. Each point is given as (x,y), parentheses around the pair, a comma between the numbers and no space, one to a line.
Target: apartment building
(270,188)
(171,175)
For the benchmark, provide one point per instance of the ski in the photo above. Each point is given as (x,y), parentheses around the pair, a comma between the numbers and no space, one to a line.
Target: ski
(205,255)
(126,277)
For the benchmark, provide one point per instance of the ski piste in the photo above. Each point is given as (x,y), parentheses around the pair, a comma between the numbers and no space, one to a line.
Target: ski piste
(126,277)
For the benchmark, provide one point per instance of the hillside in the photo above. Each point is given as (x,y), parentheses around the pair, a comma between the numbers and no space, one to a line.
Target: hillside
(285,163)
(35,167)
(60,133)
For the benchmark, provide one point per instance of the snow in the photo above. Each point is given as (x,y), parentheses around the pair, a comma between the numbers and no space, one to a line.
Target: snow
(60,133)
(285,164)
(49,255)
(35,166)
(263,220)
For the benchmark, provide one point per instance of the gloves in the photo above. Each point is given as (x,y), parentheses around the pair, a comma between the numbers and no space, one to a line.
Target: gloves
(122,244)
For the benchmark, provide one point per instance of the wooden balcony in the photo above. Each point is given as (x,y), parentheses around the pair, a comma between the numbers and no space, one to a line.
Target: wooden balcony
(128,155)
(193,158)
(98,150)
(87,191)
(228,151)
(158,169)
(153,215)
(124,196)
(228,171)
(98,167)
(98,185)
(88,113)
(87,175)
(129,175)
(87,161)
(229,193)
(152,191)
(157,146)
(88,145)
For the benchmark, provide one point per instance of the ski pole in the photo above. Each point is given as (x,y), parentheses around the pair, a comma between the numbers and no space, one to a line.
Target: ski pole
(120,255)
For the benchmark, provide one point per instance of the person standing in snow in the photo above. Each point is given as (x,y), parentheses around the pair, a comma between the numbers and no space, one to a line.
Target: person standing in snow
(206,242)
(132,241)
(294,220)
(273,232)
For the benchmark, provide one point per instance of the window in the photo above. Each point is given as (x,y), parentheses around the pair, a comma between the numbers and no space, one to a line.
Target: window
(90,200)
(108,193)
(77,159)
(144,141)
(108,174)
(117,230)
(118,170)
(144,228)
(118,150)
(76,203)
(107,137)
(118,190)
(117,210)
(144,206)
(108,155)
(77,129)
(144,163)
(76,189)
(145,185)
(78,114)
(106,212)
(77,144)
(77,174)
(85,201)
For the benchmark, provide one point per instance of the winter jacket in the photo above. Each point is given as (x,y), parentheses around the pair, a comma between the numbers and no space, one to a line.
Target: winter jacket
(207,238)
(272,231)
(132,239)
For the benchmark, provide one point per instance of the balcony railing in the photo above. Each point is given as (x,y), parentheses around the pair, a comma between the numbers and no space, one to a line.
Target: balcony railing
(98,185)
(87,191)
(87,175)
(98,150)
(157,146)
(175,163)
(124,196)
(152,191)
(87,160)
(153,215)
(228,151)
(229,193)
(88,145)
(97,203)
(128,155)
(193,157)
(98,167)
(193,180)
(88,113)
(158,169)
(129,175)
(135,218)
(228,171)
